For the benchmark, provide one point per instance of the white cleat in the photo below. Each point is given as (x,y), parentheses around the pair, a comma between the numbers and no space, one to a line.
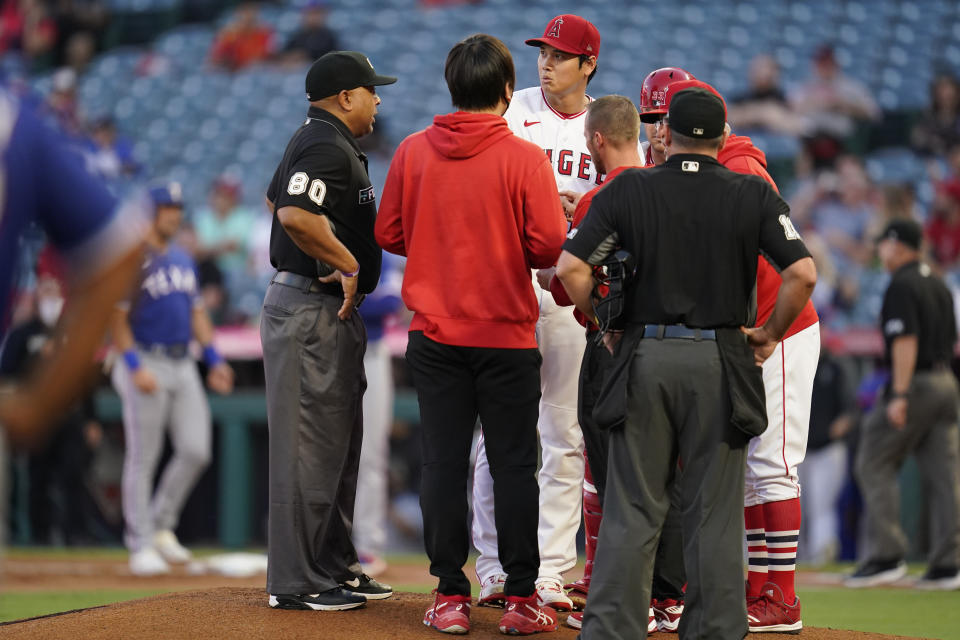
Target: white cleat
(165,542)
(147,562)
(491,591)
(550,593)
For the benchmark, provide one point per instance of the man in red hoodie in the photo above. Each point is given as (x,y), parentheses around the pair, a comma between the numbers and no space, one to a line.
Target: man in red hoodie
(474,208)
(772,488)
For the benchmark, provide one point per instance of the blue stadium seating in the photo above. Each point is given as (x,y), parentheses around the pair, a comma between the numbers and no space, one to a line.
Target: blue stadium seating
(191,122)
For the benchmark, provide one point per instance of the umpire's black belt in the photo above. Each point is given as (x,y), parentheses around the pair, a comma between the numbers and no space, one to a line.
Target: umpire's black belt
(677,331)
(177,350)
(312,285)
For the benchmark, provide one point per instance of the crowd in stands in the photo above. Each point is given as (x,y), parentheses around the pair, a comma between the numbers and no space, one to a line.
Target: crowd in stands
(834,201)
(245,40)
(52,33)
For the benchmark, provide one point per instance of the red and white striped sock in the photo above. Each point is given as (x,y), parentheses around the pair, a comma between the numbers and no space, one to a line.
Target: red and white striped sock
(756,549)
(782,520)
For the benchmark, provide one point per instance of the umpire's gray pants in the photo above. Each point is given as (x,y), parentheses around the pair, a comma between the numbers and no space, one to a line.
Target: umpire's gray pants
(677,405)
(180,404)
(931,433)
(313,365)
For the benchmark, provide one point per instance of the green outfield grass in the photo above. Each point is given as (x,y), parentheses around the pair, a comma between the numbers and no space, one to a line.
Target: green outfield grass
(924,614)
(893,611)
(16,606)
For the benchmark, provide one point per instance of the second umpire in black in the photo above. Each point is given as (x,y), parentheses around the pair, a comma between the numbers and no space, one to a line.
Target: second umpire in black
(687,376)
(326,257)
(918,414)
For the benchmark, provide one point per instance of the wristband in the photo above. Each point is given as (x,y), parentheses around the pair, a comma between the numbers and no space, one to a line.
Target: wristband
(211,357)
(352,274)
(898,394)
(132,359)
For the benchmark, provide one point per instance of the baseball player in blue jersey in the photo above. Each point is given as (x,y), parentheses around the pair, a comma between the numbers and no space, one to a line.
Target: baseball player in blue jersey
(160,388)
(44,182)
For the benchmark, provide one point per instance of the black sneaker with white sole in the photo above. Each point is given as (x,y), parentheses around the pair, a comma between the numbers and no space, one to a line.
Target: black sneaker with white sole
(335,599)
(364,585)
(940,579)
(876,572)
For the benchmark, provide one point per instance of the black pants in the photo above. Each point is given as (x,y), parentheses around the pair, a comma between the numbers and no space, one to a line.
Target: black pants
(455,386)
(668,572)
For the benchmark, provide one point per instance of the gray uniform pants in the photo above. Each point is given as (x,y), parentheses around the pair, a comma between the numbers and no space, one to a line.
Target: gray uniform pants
(180,404)
(677,405)
(313,364)
(931,433)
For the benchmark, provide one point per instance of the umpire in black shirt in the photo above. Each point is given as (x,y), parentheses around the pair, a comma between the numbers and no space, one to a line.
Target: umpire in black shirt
(687,379)
(918,414)
(326,257)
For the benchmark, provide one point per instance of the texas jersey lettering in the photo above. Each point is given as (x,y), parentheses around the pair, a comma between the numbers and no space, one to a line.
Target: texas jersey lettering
(162,312)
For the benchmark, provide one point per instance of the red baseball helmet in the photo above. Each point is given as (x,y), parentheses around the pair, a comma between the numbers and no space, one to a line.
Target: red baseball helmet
(654,88)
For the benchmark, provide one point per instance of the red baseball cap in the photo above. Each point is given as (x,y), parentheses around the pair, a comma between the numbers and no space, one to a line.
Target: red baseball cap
(571,34)
(671,90)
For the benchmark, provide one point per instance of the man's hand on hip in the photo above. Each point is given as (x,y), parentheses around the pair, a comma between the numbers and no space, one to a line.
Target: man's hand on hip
(762,341)
(349,292)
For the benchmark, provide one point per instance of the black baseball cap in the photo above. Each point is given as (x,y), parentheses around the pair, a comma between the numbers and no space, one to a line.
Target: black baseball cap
(342,70)
(697,113)
(903,230)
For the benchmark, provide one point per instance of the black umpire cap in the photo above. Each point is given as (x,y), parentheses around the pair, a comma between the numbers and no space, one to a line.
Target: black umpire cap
(697,113)
(903,230)
(342,70)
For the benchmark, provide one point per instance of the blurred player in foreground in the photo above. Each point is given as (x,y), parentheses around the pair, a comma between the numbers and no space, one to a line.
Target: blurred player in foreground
(43,182)
(160,387)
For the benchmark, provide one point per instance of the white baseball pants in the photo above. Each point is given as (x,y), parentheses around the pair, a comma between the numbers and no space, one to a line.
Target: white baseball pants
(773,456)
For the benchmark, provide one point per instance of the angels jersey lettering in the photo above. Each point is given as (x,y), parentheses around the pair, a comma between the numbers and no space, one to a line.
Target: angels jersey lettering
(559,135)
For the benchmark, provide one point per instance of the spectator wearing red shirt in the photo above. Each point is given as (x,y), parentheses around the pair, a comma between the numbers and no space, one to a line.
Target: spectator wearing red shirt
(244,41)
(26,26)
(943,228)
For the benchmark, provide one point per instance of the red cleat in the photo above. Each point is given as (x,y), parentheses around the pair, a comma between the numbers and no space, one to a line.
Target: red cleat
(524,616)
(449,614)
(667,612)
(769,613)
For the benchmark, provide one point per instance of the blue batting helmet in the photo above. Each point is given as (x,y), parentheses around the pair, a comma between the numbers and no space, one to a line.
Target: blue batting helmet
(169,195)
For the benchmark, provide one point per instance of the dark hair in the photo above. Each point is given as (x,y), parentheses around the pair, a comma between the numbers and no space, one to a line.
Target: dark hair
(584,58)
(478,70)
(942,77)
(689,142)
(615,117)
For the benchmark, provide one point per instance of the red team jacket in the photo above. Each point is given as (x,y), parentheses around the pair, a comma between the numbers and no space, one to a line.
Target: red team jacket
(474,208)
(739,155)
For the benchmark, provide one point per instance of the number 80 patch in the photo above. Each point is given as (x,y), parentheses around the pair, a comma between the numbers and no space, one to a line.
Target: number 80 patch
(298,184)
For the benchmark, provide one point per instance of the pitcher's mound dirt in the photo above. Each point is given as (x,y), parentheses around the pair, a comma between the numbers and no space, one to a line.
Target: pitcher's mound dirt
(243,613)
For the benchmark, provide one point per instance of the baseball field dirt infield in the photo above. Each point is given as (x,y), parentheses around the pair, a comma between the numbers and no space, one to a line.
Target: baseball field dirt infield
(229,612)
